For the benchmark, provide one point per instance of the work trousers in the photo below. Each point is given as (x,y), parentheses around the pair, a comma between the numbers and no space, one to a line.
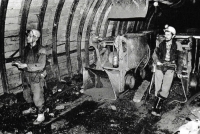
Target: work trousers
(34,92)
(163,82)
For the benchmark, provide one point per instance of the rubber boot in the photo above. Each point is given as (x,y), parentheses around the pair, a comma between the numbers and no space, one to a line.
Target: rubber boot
(157,106)
(40,119)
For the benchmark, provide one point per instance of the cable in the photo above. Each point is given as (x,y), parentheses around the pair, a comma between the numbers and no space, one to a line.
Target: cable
(178,4)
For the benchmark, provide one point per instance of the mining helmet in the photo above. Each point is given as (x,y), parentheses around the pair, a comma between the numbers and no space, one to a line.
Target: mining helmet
(170,29)
(35,32)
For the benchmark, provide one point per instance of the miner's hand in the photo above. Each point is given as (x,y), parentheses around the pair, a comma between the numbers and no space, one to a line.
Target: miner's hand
(16,63)
(22,66)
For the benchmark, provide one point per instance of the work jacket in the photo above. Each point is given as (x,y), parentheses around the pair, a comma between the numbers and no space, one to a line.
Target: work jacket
(35,58)
(176,54)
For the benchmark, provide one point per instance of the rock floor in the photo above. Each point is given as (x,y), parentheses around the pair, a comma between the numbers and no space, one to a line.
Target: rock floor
(122,116)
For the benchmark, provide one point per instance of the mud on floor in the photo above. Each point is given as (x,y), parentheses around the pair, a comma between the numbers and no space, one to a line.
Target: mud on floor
(122,116)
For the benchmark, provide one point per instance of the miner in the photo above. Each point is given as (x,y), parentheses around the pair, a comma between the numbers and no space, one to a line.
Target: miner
(167,57)
(34,75)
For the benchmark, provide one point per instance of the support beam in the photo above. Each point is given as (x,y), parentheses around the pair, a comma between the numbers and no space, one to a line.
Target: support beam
(120,27)
(108,4)
(80,32)
(105,30)
(3,10)
(22,34)
(138,25)
(114,28)
(150,15)
(124,27)
(41,17)
(135,26)
(91,20)
(68,33)
(54,37)
(131,27)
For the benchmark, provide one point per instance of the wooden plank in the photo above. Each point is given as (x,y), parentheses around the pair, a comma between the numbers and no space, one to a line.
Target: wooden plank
(108,4)
(8,60)
(54,36)
(91,20)
(68,33)
(80,31)
(74,104)
(3,10)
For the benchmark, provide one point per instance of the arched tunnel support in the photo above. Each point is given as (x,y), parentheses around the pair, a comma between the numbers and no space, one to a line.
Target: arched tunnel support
(68,33)
(54,37)
(41,17)
(105,30)
(22,34)
(89,31)
(79,36)
(108,4)
(114,28)
(3,9)
(89,16)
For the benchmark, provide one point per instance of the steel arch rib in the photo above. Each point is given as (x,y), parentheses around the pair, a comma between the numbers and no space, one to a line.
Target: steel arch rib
(68,33)
(3,10)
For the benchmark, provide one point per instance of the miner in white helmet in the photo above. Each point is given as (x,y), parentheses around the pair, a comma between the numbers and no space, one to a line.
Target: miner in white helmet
(34,75)
(167,57)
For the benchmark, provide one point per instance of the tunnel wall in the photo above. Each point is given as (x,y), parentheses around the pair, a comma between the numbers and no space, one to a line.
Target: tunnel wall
(66,26)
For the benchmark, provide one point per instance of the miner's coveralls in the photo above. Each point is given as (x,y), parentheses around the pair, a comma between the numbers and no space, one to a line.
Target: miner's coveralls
(34,76)
(170,54)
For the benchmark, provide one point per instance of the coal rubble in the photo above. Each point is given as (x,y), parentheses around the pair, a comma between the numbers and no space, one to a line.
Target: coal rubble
(71,112)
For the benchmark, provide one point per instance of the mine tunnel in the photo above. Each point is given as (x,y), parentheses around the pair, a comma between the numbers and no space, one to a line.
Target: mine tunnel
(99,76)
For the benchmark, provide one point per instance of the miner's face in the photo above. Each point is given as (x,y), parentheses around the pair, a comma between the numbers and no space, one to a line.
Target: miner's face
(168,36)
(31,38)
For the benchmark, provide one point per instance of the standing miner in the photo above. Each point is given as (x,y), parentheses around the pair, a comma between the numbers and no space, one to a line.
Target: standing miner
(168,57)
(34,75)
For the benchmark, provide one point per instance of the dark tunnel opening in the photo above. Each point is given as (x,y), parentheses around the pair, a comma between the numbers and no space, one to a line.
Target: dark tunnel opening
(182,18)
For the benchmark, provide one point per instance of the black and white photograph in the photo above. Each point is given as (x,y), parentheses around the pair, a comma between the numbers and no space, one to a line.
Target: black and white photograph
(99,66)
